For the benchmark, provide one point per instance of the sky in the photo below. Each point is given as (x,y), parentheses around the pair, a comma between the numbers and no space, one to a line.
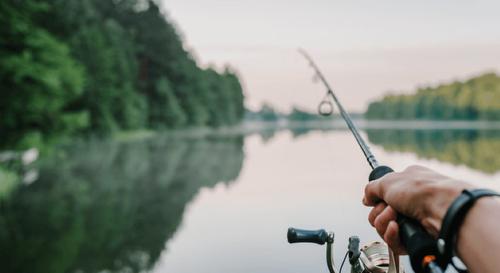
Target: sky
(365,48)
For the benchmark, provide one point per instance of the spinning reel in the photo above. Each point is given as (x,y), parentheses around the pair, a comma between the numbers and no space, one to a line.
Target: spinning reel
(372,258)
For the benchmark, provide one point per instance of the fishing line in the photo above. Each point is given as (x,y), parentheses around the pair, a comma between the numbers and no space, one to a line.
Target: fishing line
(343,261)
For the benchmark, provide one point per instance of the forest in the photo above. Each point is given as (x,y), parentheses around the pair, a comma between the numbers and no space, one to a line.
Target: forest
(102,66)
(475,99)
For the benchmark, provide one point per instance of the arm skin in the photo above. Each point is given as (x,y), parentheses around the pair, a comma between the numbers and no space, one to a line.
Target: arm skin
(425,195)
(478,238)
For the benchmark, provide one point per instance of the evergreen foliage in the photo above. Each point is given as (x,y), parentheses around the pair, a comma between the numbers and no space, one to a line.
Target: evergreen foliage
(475,99)
(101,66)
(38,77)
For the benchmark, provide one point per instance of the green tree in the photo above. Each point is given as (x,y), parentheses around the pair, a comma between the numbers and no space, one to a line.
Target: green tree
(476,98)
(267,113)
(102,66)
(38,78)
(166,111)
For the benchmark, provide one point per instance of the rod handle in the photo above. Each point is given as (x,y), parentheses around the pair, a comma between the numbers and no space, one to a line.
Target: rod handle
(418,243)
(295,235)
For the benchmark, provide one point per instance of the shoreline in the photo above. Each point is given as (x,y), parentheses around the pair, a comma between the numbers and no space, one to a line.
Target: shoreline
(363,124)
(253,127)
(258,127)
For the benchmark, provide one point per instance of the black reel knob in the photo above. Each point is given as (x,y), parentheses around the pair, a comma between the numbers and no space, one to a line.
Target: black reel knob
(319,237)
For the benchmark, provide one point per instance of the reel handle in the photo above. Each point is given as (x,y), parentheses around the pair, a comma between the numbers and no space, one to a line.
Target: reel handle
(418,243)
(295,235)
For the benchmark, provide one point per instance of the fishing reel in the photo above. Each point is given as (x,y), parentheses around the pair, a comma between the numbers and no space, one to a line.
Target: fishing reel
(372,258)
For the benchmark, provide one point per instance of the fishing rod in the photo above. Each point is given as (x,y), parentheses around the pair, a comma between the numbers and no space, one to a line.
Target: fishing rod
(326,102)
(420,245)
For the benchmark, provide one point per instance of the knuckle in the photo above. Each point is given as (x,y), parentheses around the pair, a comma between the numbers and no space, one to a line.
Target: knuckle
(379,229)
(368,187)
(370,191)
(376,222)
(380,224)
(371,219)
(389,176)
(392,214)
(420,184)
(413,168)
(427,188)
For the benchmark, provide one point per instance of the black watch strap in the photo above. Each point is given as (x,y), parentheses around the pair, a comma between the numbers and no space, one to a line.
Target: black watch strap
(453,219)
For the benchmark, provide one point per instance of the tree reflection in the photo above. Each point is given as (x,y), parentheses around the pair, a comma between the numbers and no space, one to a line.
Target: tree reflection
(110,206)
(474,148)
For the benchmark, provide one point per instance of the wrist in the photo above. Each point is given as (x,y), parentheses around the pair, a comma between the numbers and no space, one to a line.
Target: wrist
(476,236)
(484,213)
(467,229)
(440,198)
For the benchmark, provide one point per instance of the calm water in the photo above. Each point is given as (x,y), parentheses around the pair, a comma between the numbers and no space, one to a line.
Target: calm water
(214,203)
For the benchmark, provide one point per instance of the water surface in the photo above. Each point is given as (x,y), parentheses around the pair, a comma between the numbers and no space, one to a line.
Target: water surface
(215,203)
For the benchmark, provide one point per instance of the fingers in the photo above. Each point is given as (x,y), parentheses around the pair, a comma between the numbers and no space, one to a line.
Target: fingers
(407,192)
(372,194)
(375,191)
(383,219)
(376,212)
(391,237)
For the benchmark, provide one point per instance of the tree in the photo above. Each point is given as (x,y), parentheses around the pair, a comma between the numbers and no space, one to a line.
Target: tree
(476,98)
(166,111)
(102,66)
(38,78)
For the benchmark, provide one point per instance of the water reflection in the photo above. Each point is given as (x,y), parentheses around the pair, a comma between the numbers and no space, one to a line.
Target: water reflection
(477,149)
(113,207)
(110,206)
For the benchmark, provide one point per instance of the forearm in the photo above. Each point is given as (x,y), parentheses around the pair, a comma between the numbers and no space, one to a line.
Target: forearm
(479,238)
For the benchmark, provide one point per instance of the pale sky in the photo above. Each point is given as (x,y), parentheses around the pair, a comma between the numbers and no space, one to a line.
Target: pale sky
(365,48)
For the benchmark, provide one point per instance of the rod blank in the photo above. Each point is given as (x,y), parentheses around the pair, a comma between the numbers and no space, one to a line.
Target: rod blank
(361,142)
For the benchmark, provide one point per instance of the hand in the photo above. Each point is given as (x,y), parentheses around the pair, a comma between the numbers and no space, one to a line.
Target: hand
(418,193)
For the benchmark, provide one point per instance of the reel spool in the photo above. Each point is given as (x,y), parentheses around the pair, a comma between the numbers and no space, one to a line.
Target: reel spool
(375,257)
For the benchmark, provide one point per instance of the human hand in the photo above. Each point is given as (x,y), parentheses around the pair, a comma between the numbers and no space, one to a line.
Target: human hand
(418,193)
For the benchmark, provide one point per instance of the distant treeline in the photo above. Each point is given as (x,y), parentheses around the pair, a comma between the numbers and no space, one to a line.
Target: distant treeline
(68,67)
(475,99)
(269,114)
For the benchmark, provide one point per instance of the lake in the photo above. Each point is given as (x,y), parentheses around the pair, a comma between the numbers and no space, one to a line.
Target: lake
(215,202)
